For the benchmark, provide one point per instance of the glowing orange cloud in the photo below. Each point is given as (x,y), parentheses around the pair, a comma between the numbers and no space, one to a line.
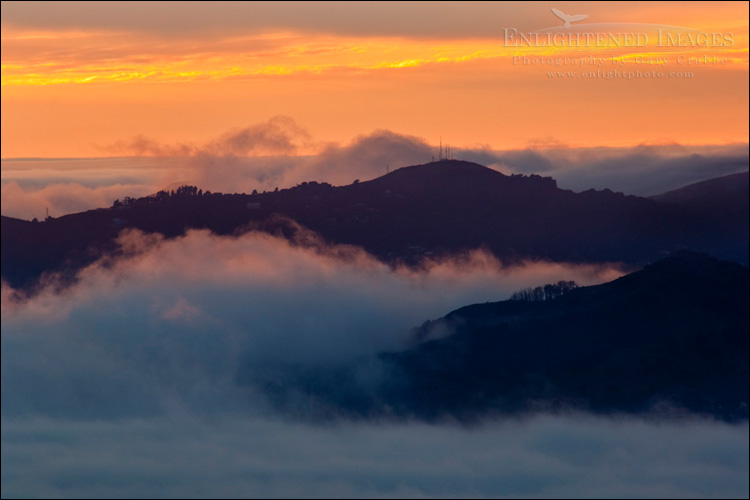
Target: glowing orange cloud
(95,57)
(68,91)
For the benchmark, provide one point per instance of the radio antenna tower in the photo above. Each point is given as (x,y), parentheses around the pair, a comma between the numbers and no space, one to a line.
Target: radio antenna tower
(445,152)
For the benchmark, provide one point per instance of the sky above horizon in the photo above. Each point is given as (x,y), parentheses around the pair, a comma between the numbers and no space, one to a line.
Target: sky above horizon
(127,383)
(94,79)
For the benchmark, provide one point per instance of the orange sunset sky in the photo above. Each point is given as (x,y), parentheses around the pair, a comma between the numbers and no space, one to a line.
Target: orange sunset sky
(78,78)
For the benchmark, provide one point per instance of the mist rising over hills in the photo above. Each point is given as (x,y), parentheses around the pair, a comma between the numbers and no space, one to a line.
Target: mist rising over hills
(246,337)
(425,211)
(670,339)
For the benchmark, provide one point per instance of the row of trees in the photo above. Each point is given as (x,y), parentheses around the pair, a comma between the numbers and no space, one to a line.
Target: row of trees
(191,191)
(163,195)
(181,191)
(546,292)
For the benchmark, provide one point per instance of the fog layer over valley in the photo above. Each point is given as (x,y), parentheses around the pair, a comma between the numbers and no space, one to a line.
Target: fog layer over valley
(136,365)
(149,373)
(177,315)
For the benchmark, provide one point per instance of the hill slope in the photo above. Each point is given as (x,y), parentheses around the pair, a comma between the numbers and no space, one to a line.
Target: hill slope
(440,208)
(671,337)
(728,193)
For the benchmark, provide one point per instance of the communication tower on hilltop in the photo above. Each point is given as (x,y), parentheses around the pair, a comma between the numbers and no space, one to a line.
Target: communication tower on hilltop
(445,153)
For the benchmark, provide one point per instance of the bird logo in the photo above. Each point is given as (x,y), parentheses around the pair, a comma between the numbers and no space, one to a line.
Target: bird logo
(568,18)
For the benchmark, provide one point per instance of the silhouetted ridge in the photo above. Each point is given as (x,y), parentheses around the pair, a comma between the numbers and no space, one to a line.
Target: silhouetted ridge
(443,171)
(728,190)
(686,264)
(449,176)
(671,339)
(428,211)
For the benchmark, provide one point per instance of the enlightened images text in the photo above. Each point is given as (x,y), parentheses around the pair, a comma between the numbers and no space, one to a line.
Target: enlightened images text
(575,39)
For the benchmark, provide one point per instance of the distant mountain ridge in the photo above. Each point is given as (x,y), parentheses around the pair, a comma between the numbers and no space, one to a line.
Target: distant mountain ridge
(728,193)
(424,211)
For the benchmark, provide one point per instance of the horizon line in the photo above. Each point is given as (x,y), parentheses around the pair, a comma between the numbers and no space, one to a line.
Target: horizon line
(534,148)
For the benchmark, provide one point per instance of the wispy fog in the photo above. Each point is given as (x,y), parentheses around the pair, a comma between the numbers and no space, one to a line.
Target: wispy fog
(645,170)
(126,384)
(170,324)
(281,153)
(182,456)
